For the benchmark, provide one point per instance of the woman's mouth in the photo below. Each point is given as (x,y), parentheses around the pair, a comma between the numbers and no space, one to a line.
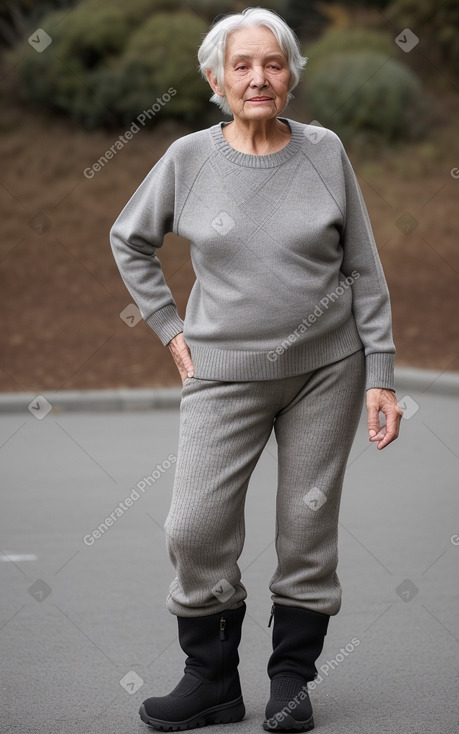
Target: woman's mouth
(259,100)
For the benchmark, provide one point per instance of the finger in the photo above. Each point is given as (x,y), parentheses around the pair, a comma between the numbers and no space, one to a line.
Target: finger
(383,439)
(392,428)
(393,419)
(373,421)
(380,435)
(182,357)
(186,363)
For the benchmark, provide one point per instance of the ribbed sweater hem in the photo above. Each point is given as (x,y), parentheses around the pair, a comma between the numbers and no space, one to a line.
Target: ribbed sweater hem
(236,365)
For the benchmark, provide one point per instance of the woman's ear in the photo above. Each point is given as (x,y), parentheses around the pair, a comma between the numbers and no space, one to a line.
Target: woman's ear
(214,83)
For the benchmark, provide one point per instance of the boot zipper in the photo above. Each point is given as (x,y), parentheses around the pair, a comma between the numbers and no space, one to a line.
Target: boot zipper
(271,616)
(222,658)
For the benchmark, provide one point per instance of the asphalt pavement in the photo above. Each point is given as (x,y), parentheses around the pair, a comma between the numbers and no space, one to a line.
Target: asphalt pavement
(84,632)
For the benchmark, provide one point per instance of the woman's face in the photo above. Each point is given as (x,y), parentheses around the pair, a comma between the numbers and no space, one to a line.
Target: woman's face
(256,75)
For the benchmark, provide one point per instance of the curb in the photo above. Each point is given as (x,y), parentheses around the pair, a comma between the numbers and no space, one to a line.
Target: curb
(428,381)
(407,380)
(95,400)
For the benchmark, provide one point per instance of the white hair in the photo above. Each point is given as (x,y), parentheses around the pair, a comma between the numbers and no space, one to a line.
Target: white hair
(211,54)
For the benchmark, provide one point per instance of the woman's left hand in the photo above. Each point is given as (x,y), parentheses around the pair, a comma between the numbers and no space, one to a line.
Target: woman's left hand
(384,401)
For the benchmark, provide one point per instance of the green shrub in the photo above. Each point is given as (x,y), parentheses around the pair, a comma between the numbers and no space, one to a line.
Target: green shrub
(210,9)
(347,40)
(110,60)
(436,24)
(159,55)
(365,96)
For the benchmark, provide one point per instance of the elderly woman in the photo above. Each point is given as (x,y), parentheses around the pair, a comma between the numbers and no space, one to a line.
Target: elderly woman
(288,323)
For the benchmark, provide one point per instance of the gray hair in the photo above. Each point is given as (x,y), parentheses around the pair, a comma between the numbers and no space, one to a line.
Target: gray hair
(211,54)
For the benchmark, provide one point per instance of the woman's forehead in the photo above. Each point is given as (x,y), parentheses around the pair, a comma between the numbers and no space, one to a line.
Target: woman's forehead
(248,42)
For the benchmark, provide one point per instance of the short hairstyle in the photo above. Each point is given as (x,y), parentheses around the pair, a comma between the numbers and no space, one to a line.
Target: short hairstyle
(211,54)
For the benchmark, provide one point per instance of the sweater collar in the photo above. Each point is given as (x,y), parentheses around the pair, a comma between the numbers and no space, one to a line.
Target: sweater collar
(258,161)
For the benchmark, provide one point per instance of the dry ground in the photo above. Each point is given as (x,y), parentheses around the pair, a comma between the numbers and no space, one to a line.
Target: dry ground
(62,293)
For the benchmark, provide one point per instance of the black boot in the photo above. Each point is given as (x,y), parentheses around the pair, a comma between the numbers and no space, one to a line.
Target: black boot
(298,639)
(209,692)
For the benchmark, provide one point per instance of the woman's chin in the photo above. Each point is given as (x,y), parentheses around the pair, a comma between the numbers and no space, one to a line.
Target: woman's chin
(258,112)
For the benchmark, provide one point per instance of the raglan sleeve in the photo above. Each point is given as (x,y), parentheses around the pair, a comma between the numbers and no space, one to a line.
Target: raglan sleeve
(371,301)
(136,235)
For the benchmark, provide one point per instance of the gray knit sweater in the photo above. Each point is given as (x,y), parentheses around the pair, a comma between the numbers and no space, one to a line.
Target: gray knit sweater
(288,276)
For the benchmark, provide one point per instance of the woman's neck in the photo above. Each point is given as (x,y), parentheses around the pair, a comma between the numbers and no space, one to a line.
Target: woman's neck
(257,137)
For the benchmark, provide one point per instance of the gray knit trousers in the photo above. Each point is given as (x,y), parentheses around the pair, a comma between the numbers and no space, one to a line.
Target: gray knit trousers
(224,427)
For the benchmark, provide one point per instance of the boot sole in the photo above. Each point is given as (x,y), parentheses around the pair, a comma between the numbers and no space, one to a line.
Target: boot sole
(228,713)
(288,724)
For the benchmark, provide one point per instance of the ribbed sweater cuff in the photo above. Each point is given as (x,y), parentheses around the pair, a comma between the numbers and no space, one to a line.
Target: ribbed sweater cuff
(380,370)
(166,323)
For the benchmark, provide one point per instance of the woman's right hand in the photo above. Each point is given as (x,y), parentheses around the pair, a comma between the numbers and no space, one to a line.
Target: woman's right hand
(181,356)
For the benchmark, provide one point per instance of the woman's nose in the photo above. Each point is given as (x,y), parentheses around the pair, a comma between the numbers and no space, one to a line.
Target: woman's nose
(258,77)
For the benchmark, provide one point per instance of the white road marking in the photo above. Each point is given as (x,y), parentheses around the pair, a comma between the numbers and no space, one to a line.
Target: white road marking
(17,557)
